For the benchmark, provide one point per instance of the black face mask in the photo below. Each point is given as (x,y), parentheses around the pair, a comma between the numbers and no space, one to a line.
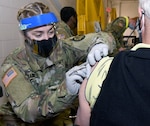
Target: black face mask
(44,47)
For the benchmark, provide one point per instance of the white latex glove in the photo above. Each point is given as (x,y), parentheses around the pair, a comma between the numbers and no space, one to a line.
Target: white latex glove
(74,78)
(97,52)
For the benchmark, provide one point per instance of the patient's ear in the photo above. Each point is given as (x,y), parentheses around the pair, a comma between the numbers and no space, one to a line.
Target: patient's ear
(141,11)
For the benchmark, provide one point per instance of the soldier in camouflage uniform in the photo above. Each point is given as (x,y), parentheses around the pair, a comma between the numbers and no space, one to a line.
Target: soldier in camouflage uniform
(117,27)
(34,76)
(68,24)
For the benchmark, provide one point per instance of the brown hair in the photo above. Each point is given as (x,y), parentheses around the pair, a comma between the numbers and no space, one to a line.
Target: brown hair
(31,10)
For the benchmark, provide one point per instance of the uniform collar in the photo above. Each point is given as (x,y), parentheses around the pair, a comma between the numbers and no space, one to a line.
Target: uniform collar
(140,45)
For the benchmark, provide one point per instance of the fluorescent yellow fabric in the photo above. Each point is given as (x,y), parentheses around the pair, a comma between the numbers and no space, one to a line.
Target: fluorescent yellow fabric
(102,15)
(80,9)
(140,45)
(89,12)
(127,21)
(96,79)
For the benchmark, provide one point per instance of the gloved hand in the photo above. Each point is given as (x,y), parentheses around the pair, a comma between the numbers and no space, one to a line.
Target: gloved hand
(74,78)
(97,52)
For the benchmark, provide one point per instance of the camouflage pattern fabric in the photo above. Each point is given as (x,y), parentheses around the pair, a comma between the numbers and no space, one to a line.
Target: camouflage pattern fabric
(35,86)
(97,77)
(117,27)
(61,120)
(63,30)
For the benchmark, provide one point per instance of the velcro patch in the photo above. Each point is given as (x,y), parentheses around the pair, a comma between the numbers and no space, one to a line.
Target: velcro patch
(9,76)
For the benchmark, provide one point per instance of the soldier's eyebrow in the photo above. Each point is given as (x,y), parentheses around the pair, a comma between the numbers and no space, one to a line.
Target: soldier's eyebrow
(51,29)
(37,32)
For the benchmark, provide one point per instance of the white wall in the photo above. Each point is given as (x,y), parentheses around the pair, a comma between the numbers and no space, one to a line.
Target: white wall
(126,8)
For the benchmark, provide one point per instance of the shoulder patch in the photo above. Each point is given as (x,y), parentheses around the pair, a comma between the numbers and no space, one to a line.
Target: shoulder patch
(9,76)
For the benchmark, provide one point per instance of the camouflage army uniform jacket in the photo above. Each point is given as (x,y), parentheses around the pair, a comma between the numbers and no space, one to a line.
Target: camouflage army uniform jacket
(35,86)
(63,30)
(117,27)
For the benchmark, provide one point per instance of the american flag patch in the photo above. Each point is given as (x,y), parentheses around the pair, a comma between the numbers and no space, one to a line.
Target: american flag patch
(9,76)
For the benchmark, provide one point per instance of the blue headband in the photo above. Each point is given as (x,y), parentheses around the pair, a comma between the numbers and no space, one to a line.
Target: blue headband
(38,20)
